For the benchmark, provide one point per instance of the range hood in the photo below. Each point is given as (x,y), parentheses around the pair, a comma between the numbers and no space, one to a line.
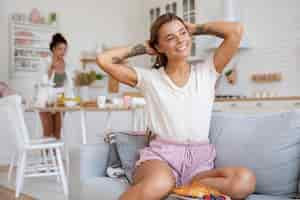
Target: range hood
(231,14)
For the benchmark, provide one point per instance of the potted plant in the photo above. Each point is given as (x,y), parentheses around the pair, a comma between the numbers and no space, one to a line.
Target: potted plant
(98,82)
(52,18)
(231,76)
(82,81)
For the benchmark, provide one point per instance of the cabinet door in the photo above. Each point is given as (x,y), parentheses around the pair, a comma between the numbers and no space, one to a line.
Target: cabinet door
(258,106)
(158,8)
(188,11)
(171,7)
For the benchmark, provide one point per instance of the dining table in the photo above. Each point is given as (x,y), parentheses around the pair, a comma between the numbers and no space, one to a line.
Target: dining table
(83,110)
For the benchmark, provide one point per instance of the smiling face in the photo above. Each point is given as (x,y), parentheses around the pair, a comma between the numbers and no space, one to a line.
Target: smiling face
(60,50)
(174,40)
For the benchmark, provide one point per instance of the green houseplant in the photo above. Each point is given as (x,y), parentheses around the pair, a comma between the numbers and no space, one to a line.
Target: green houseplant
(83,80)
(86,78)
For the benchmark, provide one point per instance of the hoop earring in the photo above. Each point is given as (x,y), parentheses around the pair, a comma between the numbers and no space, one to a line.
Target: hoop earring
(158,62)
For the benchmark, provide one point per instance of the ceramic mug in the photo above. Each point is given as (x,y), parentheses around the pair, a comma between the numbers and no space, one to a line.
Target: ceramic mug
(101,100)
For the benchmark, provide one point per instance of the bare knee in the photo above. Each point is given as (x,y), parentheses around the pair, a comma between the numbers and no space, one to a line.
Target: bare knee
(157,187)
(242,183)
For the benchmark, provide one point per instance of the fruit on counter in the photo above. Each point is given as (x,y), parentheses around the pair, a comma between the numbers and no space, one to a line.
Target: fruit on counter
(62,99)
(76,99)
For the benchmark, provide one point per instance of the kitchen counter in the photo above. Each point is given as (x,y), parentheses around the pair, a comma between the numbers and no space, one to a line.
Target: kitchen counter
(246,99)
(246,104)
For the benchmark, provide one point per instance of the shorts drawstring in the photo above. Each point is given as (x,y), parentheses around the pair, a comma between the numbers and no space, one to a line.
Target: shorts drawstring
(188,159)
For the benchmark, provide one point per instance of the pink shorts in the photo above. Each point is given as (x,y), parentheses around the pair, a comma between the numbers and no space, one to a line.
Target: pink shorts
(185,159)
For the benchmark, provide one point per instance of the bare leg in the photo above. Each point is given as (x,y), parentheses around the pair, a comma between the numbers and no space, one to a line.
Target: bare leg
(237,182)
(57,125)
(153,180)
(47,123)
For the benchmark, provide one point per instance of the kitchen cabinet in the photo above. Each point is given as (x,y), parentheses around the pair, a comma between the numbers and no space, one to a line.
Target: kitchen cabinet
(29,45)
(258,105)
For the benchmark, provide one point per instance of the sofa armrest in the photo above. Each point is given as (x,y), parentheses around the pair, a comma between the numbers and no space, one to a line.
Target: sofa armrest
(86,161)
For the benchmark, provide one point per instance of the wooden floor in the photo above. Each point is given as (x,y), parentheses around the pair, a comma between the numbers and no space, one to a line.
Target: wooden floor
(46,188)
(9,194)
(3,168)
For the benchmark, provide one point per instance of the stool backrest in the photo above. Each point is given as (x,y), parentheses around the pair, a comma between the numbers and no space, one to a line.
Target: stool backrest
(12,107)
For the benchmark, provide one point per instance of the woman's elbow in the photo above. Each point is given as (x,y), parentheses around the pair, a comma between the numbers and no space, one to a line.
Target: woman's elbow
(236,33)
(101,61)
(238,30)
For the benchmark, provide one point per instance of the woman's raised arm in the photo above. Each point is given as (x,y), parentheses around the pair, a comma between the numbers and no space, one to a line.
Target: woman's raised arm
(112,62)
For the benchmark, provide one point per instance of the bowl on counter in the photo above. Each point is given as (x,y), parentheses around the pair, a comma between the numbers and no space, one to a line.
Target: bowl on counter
(70,103)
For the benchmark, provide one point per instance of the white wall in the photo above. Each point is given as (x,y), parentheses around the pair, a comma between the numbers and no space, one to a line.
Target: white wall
(85,24)
(273,29)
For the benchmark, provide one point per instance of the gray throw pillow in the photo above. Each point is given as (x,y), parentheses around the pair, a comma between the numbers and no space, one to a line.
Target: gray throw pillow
(127,146)
(267,143)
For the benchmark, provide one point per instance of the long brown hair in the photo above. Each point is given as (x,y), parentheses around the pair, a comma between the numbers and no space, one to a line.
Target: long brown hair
(161,59)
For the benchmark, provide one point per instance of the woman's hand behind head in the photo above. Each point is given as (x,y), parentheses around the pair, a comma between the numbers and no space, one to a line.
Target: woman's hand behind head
(149,50)
(190,27)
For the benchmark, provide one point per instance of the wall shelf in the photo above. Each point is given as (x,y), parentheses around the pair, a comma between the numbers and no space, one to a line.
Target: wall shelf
(29,45)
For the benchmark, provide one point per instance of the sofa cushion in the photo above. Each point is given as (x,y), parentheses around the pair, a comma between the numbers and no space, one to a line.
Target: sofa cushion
(102,188)
(267,143)
(128,146)
(267,197)
(110,189)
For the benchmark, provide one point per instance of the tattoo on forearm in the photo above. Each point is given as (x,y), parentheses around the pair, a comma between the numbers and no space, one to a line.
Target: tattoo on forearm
(117,60)
(137,50)
(199,30)
(205,30)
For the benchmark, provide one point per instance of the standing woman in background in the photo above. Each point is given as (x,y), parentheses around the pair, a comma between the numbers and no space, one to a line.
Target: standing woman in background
(56,72)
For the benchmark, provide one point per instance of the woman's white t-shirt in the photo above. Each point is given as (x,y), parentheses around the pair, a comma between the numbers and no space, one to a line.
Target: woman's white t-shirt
(175,113)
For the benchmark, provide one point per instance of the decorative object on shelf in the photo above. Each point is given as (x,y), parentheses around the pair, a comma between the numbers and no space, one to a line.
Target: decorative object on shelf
(266,77)
(231,76)
(35,16)
(29,40)
(265,94)
(52,18)
(19,17)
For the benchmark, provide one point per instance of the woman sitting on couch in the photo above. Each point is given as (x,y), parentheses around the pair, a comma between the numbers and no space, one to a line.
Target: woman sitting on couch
(179,98)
